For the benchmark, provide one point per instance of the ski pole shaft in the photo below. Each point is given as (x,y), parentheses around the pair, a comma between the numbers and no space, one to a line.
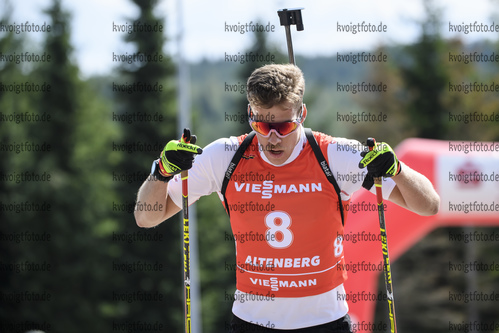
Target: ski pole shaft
(371,143)
(187,265)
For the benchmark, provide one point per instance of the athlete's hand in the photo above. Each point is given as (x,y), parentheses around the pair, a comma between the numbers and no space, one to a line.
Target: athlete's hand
(178,155)
(381,161)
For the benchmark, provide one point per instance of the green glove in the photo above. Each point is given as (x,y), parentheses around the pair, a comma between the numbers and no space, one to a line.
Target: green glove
(380,162)
(178,155)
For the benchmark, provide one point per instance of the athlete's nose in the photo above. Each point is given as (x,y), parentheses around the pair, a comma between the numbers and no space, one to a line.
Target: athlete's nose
(274,139)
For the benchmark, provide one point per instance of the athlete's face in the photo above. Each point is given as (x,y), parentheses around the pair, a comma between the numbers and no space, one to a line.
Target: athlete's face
(278,149)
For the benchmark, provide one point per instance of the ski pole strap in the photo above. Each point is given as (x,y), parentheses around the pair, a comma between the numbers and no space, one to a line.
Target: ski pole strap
(233,164)
(325,168)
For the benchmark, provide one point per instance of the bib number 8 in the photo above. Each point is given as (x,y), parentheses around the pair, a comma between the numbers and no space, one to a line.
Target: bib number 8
(278,234)
(338,246)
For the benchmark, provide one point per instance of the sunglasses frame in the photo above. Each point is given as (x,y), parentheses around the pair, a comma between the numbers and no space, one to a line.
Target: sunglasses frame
(297,121)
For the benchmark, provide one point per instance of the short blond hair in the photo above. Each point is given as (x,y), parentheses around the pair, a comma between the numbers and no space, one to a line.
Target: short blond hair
(273,84)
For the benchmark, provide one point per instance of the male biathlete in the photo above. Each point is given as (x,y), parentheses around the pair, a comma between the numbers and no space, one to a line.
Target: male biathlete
(284,209)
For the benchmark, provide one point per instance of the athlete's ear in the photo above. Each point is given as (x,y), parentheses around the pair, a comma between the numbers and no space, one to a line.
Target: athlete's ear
(250,112)
(303,113)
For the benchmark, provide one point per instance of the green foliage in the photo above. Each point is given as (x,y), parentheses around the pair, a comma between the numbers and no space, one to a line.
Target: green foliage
(91,190)
(426,79)
(67,278)
(166,282)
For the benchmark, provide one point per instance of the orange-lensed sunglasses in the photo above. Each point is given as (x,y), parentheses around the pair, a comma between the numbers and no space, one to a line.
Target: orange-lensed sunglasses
(282,129)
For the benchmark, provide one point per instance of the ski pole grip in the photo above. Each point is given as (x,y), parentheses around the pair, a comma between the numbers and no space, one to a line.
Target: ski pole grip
(371,143)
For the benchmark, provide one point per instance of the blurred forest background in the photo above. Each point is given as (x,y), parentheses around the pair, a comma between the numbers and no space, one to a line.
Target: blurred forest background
(75,276)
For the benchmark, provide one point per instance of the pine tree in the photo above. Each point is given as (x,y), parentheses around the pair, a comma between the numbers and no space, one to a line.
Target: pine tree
(69,205)
(149,136)
(426,78)
(10,132)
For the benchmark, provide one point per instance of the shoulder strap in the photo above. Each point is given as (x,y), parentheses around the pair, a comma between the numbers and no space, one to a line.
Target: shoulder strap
(325,168)
(233,164)
(318,154)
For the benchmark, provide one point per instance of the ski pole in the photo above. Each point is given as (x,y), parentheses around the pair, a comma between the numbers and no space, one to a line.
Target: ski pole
(288,17)
(371,143)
